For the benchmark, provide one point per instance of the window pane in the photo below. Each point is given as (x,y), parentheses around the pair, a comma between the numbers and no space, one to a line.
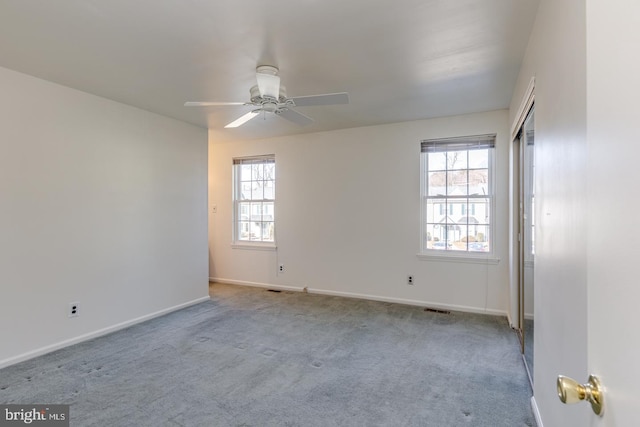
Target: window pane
(461,212)
(478,159)
(257,171)
(437,161)
(243,230)
(437,183)
(269,190)
(270,171)
(482,238)
(470,238)
(457,236)
(245,190)
(436,210)
(457,183)
(478,247)
(482,215)
(244,211)
(429,236)
(437,234)
(257,190)
(479,182)
(245,172)
(256,212)
(267,211)
(456,160)
(267,231)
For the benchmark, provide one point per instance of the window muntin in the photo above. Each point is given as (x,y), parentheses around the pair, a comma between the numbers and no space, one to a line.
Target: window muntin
(254,199)
(457,196)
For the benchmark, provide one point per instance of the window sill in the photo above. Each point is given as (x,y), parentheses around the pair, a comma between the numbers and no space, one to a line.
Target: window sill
(252,246)
(464,258)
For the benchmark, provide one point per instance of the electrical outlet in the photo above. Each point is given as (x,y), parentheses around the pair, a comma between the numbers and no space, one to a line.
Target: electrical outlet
(409,280)
(74,309)
(281,268)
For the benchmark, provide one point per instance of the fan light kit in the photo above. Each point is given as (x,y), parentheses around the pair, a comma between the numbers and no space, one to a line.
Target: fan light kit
(269,96)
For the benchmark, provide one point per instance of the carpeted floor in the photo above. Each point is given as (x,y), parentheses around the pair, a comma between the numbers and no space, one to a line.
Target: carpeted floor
(251,357)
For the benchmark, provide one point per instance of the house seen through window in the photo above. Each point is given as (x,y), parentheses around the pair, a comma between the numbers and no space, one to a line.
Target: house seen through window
(457,194)
(254,198)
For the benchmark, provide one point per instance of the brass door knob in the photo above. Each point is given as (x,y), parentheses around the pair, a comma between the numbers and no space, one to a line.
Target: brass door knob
(571,391)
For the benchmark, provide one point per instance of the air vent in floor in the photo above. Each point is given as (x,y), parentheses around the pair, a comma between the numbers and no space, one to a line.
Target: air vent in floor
(435,310)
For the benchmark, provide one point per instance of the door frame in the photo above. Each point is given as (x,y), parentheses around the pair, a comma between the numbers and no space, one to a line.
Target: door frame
(514,274)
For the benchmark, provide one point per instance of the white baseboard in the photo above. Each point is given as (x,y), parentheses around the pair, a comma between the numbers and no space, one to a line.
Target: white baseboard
(420,303)
(85,337)
(536,411)
(256,284)
(440,306)
(526,317)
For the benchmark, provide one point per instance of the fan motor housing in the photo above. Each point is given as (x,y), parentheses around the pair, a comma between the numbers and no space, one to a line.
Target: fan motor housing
(269,107)
(258,100)
(267,69)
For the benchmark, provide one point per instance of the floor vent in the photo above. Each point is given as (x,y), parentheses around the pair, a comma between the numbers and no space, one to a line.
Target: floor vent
(435,310)
(274,290)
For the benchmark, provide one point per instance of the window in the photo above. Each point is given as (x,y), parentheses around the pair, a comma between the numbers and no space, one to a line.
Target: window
(457,172)
(254,199)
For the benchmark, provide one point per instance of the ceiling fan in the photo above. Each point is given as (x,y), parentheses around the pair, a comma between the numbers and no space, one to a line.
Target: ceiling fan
(269,96)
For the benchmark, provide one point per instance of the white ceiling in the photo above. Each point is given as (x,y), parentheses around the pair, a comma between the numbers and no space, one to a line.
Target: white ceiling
(398,59)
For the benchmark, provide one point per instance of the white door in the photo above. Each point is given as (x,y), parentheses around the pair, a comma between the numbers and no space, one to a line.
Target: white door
(613,135)
(583,54)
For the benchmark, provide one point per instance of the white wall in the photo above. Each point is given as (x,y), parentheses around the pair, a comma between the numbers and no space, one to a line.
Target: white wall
(556,56)
(348,216)
(100,203)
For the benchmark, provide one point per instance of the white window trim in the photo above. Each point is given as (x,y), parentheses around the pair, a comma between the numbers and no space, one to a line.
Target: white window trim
(247,244)
(490,257)
(464,257)
(256,246)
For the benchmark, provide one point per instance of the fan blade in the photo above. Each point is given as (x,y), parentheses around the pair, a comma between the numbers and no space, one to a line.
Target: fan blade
(294,116)
(242,120)
(326,99)
(211,104)
(269,85)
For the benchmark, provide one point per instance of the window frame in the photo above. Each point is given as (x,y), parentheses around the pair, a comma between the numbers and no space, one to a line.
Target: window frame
(459,255)
(237,201)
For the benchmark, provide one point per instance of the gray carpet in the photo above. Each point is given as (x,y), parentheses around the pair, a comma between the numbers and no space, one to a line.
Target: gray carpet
(251,357)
